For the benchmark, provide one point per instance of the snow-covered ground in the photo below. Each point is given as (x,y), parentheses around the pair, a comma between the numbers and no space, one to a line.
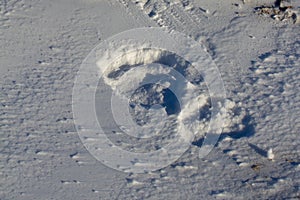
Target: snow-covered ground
(255,47)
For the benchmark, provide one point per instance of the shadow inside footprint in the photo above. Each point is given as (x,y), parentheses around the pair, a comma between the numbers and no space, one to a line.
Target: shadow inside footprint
(247,131)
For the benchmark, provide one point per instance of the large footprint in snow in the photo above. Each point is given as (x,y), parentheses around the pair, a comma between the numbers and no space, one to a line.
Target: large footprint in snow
(164,85)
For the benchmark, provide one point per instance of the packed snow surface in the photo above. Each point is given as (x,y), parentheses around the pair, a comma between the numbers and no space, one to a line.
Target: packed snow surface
(255,46)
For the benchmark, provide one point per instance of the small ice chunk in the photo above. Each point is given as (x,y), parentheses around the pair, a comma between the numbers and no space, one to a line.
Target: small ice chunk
(271,155)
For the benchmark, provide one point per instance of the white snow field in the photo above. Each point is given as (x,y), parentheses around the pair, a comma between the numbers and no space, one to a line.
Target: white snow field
(253,45)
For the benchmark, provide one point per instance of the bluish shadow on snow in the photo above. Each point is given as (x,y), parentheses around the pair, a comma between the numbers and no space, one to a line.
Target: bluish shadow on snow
(258,150)
(265,55)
